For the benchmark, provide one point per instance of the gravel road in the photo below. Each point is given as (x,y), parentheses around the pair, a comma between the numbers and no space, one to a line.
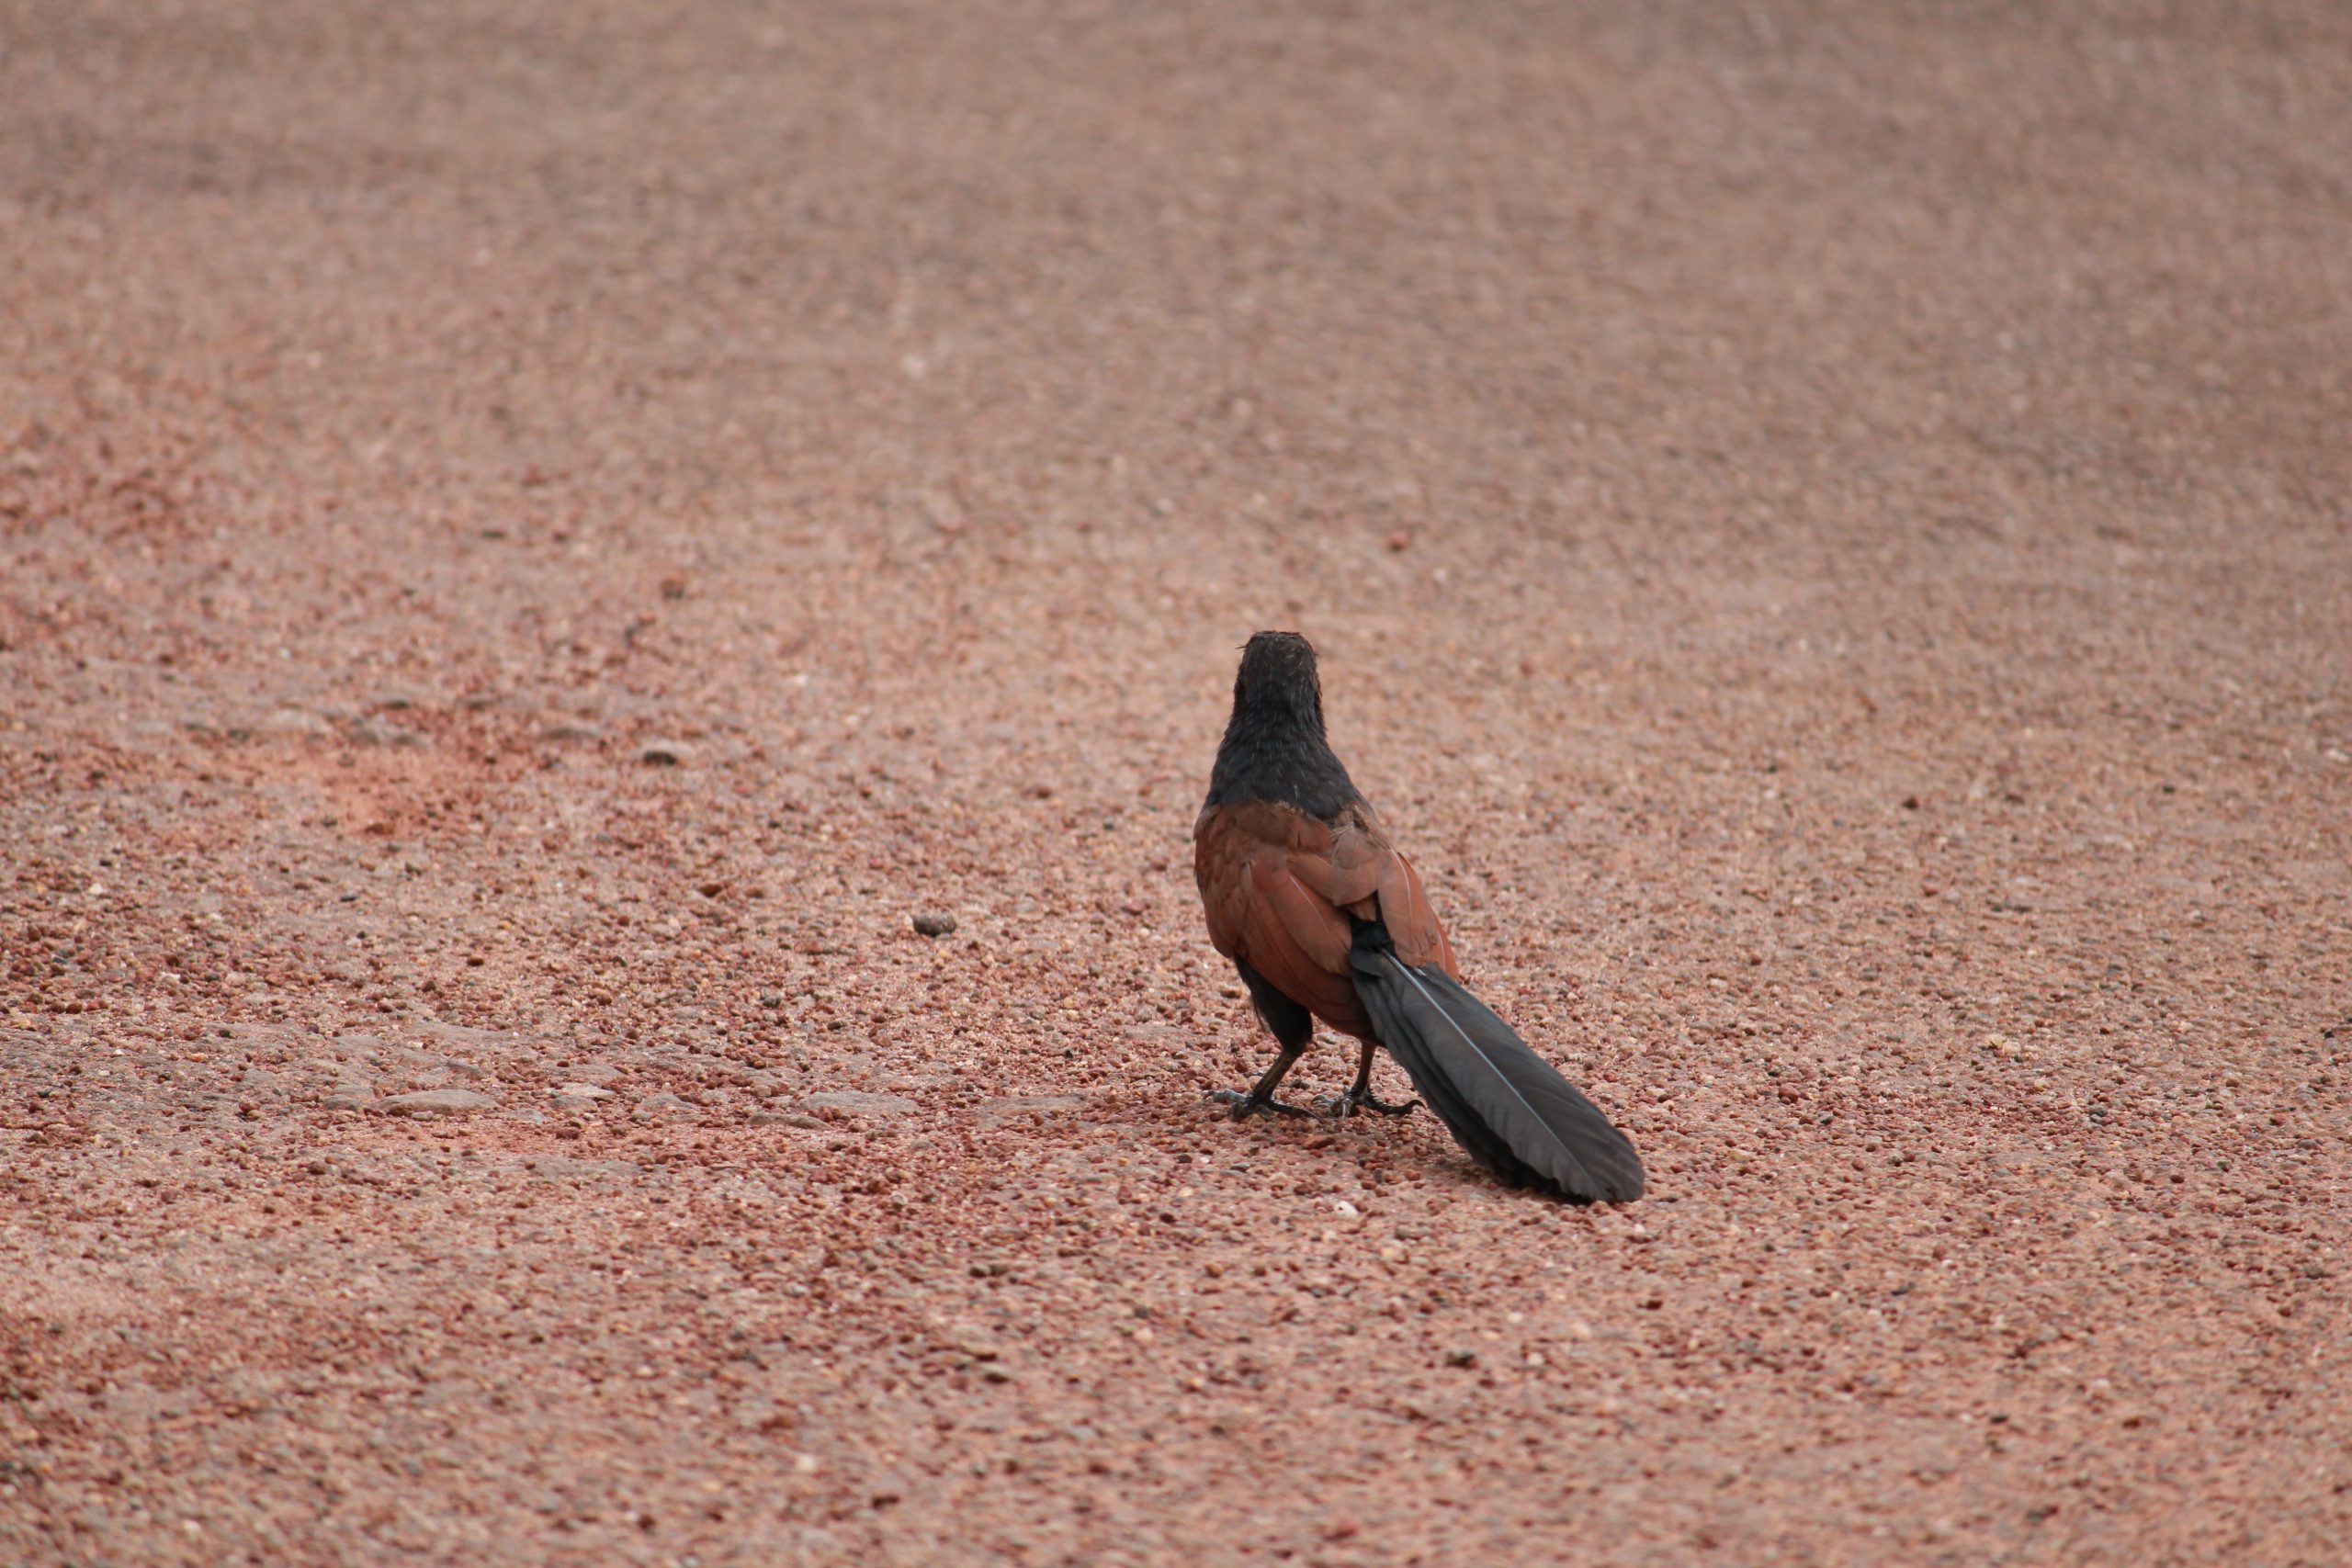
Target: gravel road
(537,540)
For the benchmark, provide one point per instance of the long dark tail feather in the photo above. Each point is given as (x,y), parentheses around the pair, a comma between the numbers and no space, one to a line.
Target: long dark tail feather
(1506,1105)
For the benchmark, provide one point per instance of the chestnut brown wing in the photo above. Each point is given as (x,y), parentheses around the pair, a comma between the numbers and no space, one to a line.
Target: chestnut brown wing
(1372,876)
(1278,888)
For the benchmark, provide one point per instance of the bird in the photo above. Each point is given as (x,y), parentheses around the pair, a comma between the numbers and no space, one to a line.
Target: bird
(1324,920)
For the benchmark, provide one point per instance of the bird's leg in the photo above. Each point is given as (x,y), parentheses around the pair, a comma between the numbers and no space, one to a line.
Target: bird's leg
(1262,1093)
(1360,1092)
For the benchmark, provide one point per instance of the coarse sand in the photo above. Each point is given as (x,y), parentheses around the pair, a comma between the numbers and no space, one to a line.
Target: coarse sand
(537,540)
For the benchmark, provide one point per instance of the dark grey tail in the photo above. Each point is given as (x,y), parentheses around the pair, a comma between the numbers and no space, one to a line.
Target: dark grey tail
(1506,1105)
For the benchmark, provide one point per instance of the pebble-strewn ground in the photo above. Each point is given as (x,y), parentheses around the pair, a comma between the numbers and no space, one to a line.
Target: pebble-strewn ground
(535,538)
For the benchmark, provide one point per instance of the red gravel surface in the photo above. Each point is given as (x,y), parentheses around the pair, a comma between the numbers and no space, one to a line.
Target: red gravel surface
(536,538)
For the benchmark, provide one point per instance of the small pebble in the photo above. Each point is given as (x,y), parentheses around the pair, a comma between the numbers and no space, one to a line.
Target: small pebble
(435,1102)
(934,924)
(373,731)
(860,1103)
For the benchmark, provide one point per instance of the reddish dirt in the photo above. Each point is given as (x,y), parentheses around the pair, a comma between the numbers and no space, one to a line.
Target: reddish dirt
(1827,530)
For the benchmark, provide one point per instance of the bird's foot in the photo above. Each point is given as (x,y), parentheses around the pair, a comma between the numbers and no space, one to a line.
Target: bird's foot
(1349,1102)
(1248,1105)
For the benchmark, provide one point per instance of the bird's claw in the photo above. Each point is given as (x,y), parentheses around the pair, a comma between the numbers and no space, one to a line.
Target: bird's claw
(1248,1105)
(1371,1102)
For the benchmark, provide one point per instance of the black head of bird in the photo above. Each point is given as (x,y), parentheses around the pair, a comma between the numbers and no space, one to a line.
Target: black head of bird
(1278,673)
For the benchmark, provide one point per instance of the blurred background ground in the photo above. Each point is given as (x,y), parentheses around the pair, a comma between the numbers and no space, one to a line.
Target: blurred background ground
(534,539)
